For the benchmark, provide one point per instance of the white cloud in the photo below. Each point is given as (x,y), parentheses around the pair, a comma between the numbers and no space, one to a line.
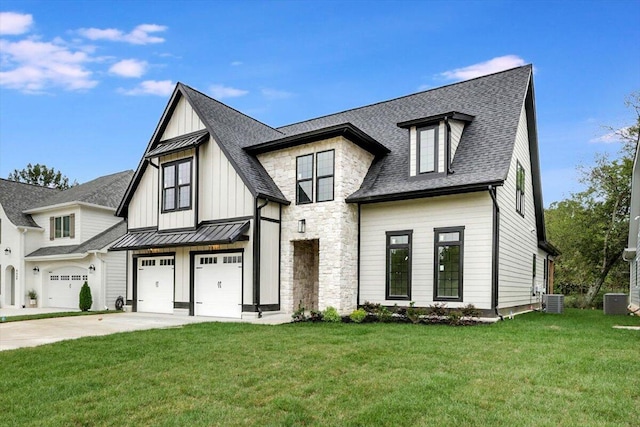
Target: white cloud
(32,66)
(12,23)
(422,88)
(129,68)
(220,91)
(612,137)
(139,35)
(151,87)
(491,66)
(276,94)
(236,63)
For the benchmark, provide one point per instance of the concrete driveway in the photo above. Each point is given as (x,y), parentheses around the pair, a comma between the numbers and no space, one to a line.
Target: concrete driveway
(31,333)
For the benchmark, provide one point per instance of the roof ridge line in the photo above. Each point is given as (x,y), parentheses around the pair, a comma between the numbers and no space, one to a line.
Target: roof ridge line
(403,96)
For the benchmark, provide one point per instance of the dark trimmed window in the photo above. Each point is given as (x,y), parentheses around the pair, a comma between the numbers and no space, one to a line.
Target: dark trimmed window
(427,149)
(176,186)
(62,226)
(324,176)
(520,175)
(448,264)
(399,265)
(304,179)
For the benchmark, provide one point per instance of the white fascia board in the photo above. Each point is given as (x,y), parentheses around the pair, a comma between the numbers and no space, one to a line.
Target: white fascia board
(67,205)
(62,257)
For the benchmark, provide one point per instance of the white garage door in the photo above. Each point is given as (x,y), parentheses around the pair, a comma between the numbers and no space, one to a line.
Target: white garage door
(155,284)
(64,287)
(218,285)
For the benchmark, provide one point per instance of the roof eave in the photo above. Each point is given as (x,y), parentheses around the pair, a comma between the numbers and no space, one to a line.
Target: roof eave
(418,194)
(454,115)
(348,130)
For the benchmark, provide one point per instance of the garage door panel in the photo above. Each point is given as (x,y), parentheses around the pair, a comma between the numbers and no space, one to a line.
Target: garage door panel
(155,285)
(218,285)
(64,286)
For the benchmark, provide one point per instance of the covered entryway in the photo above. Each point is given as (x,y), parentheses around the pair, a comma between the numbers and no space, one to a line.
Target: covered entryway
(218,285)
(154,286)
(306,254)
(63,287)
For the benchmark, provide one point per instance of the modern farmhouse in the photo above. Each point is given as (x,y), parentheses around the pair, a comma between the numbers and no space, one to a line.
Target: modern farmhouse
(429,198)
(52,241)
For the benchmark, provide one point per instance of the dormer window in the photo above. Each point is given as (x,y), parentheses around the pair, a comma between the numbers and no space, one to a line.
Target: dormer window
(176,186)
(427,149)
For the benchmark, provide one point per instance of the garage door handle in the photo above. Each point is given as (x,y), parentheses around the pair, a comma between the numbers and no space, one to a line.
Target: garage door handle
(140,300)
(197,302)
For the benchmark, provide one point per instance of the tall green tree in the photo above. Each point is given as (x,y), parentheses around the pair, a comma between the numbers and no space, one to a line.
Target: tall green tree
(591,227)
(41,175)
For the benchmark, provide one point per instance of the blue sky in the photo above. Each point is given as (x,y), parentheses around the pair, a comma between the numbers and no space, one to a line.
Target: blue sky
(84,83)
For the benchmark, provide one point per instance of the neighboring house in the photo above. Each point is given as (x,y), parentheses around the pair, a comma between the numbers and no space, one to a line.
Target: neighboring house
(429,198)
(53,241)
(631,254)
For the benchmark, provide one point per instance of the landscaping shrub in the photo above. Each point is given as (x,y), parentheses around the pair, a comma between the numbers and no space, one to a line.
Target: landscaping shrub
(85,297)
(415,313)
(315,316)
(437,309)
(358,315)
(298,315)
(470,310)
(330,314)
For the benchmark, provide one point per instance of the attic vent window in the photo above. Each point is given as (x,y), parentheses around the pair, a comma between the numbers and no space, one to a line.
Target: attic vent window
(427,149)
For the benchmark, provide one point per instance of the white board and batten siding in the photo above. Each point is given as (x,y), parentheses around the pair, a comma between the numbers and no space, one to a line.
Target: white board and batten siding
(269,262)
(456,133)
(474,211)
(144,205)
(518,235)
(183,120)
(223,194)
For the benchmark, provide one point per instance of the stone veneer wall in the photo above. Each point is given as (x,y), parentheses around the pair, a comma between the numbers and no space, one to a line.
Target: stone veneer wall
(333,223)
(305,274)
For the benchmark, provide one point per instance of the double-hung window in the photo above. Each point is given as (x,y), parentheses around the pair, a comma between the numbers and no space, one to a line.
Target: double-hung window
(176,186)
(520,175)
(324,176)
(62,226)
(428,149)
(304,179)
(448,264)
(399,265)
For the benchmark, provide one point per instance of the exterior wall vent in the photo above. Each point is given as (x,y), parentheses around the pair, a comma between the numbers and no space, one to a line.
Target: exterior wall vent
(555,303)
(615,303)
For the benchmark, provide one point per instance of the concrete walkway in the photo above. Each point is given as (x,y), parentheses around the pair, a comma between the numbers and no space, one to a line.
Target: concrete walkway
(31,333)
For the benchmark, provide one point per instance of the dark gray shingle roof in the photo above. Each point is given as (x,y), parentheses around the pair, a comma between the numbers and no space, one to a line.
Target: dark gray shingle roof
(484,152)
(234,131)
(104,191)
(96,243)
(16,197)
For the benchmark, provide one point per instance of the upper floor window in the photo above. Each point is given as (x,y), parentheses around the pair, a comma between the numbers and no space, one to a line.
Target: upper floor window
(448,264)
(62,226)
(324,176)
(176,186)
(304,179)
(427,149)
(520,174)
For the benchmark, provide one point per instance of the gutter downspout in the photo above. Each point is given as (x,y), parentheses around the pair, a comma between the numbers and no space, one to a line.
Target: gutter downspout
(447,137)
(496,251)
(256,257)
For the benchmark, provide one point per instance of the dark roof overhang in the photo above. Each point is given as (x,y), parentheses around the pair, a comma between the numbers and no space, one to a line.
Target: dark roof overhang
(453,115)
(178,143)
(549,248)
(348,130)
(209,234)
(418,194)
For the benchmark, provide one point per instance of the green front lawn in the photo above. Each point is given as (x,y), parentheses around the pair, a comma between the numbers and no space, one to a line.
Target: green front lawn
(538,370)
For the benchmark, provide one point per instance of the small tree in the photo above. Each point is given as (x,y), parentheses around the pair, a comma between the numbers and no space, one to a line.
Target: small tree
(41,175)
(85,297)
